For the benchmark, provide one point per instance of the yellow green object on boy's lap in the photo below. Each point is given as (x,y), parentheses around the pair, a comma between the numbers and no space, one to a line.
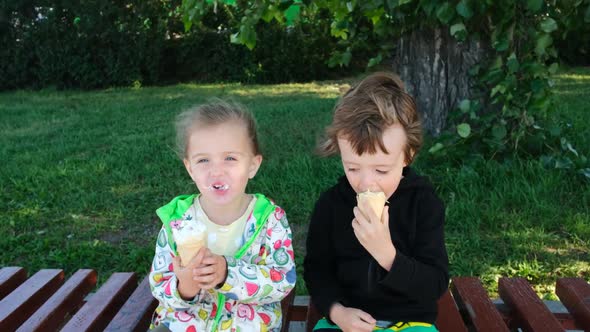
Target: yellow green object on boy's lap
(400,326)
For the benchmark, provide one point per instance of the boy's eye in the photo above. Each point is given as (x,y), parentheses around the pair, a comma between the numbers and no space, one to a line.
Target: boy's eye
(202,160)
(230,158)
(352,169)
(381,171)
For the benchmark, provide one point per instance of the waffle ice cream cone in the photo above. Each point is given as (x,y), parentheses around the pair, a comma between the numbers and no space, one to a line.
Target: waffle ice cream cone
(376,201)
(189,241)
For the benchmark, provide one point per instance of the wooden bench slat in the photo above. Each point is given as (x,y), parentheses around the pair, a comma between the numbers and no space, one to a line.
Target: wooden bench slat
(574,293)
(470,295)
(23,301)
(313,316)
(102,306)
(286,304)
(449,318)
(65,301)
(136,313)
(10,278)
(531,311)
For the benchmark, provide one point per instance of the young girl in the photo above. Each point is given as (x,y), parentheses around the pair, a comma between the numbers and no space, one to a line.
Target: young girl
(366,272)
(236,281)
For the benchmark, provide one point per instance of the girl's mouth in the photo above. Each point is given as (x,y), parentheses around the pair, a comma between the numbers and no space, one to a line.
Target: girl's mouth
(219,186)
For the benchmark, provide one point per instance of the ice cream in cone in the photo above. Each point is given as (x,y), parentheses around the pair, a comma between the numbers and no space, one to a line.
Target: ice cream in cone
(189,241)
(376,201)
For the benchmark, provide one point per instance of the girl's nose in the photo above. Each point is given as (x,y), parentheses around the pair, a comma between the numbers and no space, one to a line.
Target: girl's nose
(216,170)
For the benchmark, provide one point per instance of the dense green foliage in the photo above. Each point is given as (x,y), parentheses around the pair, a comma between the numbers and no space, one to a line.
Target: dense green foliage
(93,44)
(507,111)
(83,173)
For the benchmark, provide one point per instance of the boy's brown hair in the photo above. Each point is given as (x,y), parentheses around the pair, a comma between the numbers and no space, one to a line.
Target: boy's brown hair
(366,110)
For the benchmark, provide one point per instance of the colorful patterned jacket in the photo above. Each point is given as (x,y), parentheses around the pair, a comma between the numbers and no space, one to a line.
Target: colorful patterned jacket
(259,276)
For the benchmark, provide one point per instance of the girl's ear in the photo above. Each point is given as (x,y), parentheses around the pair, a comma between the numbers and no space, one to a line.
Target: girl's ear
(187,165)
(254,165)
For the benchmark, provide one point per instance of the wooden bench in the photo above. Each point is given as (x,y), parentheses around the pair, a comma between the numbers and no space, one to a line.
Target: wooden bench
(45,301)
(467,307)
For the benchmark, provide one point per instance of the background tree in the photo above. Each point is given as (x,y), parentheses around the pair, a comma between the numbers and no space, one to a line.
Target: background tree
(490,61)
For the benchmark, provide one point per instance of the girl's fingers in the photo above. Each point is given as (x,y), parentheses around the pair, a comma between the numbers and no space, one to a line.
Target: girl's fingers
(201,271)
(209,260)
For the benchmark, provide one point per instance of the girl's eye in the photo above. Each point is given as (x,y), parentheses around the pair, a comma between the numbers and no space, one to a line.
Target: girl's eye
(352,169)
(230,158)
(381,172)
(204,160)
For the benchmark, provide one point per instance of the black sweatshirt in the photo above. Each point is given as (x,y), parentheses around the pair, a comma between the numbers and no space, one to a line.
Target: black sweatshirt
(337,268)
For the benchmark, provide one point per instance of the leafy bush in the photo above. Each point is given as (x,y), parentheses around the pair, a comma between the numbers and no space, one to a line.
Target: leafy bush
(94,44)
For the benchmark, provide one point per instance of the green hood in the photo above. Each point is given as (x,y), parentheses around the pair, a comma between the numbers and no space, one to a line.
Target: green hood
(180,204)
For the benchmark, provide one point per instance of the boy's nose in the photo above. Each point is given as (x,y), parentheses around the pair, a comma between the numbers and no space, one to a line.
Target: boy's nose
(367,182)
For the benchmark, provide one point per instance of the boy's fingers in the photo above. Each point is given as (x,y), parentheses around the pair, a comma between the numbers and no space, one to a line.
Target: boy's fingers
(359,216)
(385,215)
(367,317)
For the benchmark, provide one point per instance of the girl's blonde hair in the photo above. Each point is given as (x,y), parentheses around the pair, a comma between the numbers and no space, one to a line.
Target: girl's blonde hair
(366,110)
(213,113)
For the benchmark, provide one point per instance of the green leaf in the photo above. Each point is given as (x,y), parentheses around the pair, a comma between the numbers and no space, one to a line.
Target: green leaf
(498,88)
(499,131)
(543,42)
(464,129)
(234,38)
(501,44)
(548,25)
(553,68)
(585,172)
(436,147)
(463,9)
(268,14)
(247,36)
(346,56)
(512,63)
(339,29)
(291,14)
(445,13)
(465,105)
(458,31)
(587,15)
(403,2)
(375,61)
(534,5)
(284,4)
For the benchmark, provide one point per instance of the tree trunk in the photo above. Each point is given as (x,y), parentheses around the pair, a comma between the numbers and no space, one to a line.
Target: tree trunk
(434,67)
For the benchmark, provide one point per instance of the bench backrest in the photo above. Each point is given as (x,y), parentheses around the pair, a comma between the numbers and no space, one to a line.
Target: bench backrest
(47,302)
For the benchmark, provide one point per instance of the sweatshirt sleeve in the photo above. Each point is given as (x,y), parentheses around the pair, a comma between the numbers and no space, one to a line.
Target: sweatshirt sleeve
(271,278)
(163,281)
(320,263)
(425,274)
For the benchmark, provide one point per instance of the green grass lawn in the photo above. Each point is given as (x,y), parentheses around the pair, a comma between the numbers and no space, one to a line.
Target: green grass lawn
(83,172)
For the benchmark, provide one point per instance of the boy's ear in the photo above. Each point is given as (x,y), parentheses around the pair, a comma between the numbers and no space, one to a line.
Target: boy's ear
(408,160)
(254,165)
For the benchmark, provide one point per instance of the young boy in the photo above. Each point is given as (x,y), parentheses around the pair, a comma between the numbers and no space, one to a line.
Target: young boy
(363,272)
